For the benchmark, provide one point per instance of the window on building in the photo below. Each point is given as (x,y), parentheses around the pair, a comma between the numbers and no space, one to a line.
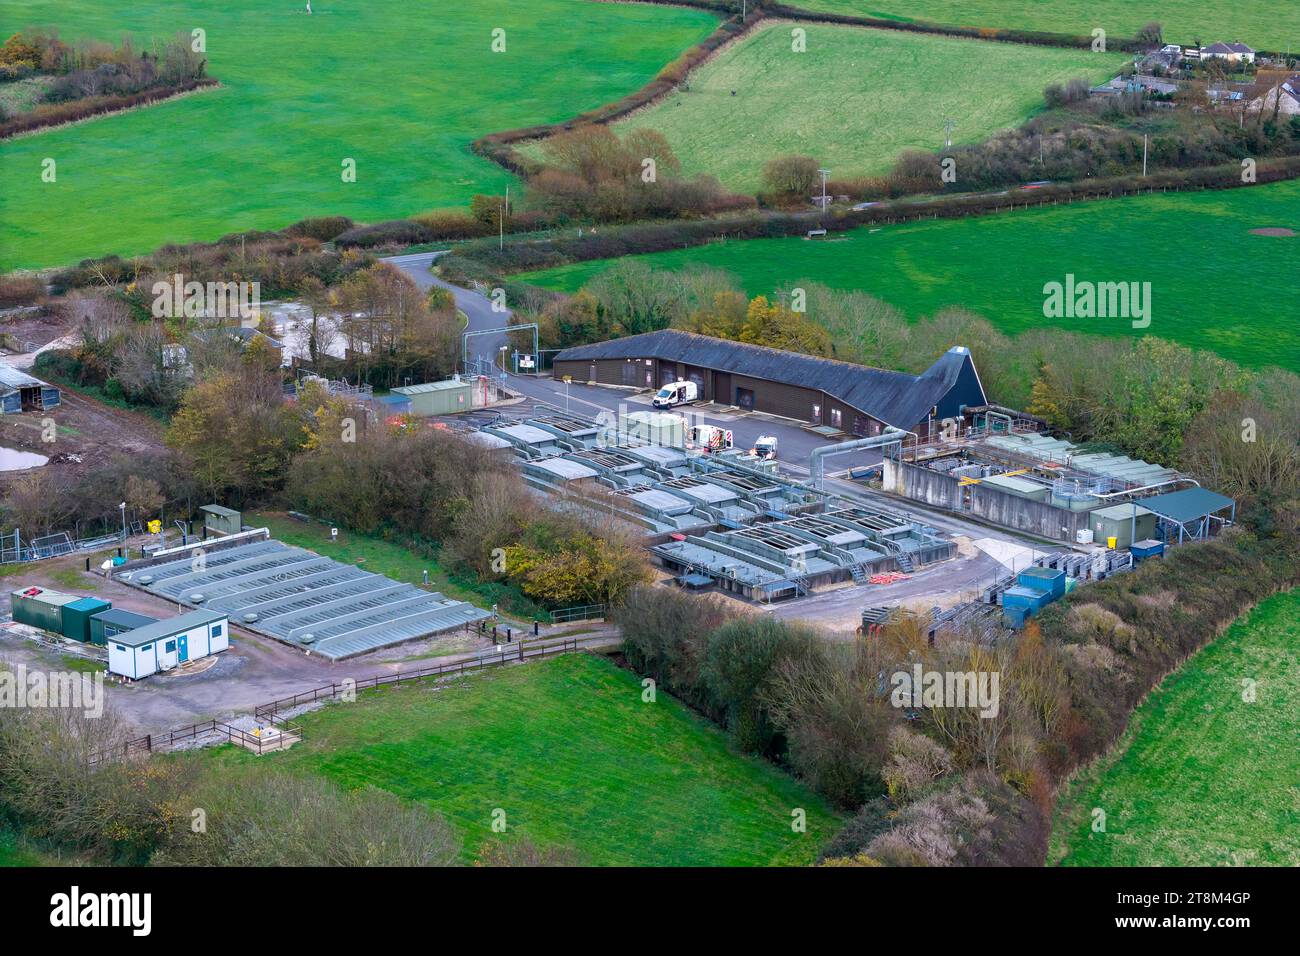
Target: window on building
(170,647)
(119,647)
(216,630)
(837,418)
(147,647)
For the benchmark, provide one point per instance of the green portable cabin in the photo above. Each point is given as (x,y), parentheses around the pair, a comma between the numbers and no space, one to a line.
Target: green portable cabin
(106,624)
(76,617)
(438,398)
(41,607)
(222,520)
(1118,522)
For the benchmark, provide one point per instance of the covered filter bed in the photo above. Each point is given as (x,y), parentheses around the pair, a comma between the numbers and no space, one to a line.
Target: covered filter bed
(337,610)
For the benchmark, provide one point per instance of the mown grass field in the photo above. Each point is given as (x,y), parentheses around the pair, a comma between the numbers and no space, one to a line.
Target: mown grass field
(402,89)
(855,99)
(1203,777)
(568,750)
(1214,284)
(1261,23)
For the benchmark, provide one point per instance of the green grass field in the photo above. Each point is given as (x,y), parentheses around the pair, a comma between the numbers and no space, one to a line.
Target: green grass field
(1203,778)
(1214,285)
(402,89)
(855,99)
(568,750)
(1261,23)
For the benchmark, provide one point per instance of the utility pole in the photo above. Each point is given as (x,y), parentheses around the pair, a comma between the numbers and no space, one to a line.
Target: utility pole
(1144,155)
(825,201)
(501,234)
(948,125)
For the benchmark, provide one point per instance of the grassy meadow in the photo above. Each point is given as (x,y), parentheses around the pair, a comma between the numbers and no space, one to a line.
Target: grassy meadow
(1214,284)
(855,99)
(571,754)
(1202,777)
(1261,23)
(400,89)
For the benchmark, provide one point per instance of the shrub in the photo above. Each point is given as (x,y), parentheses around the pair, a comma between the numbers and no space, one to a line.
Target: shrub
(323,228)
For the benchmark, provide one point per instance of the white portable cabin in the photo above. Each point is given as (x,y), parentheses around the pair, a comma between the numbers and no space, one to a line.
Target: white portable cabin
(166,644)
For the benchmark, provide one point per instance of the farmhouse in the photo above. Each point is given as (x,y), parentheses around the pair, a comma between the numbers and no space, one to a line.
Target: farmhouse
(165,644)
(1232,52)
(19,392)
(839,396)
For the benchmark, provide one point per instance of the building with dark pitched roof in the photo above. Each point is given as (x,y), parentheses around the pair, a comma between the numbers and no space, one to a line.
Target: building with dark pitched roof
(855,399)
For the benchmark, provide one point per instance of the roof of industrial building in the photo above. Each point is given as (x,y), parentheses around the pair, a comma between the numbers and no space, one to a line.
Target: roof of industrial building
(1119,512)
(528,434)
(1188,504)
(564,468)
(895,398)
(11,377)
(221,510)
(338,610)
(118,617)
(161,630)
(423,387)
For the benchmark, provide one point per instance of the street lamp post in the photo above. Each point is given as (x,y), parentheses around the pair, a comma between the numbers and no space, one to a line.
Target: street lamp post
(122,508)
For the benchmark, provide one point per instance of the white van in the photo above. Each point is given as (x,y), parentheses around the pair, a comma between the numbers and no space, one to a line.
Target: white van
(678,393)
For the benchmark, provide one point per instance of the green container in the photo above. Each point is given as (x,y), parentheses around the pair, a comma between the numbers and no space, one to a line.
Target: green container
(438,398)
(40,607)
(76,617)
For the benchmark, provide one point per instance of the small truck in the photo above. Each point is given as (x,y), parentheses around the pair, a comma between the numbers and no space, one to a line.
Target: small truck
(710,438)
(765,448)
(678,393)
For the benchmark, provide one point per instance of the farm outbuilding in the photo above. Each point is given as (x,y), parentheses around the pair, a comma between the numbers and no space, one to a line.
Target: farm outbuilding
(438,398)
(222,520)
(164,645)
(106,624)
(19,392)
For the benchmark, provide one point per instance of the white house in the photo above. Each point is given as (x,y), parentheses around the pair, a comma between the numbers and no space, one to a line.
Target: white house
(165,644)
(1232,52)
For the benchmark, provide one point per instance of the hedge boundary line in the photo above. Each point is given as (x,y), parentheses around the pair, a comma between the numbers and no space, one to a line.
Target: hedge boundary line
(478,259)
(65,114)
(499,147)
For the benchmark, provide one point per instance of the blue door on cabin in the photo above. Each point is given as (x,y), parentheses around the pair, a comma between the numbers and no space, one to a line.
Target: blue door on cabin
(183,648)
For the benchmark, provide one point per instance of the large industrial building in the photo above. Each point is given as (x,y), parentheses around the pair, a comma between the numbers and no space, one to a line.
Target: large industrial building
(838,396)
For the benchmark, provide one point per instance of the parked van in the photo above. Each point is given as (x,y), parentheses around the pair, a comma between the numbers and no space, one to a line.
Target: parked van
(678,393)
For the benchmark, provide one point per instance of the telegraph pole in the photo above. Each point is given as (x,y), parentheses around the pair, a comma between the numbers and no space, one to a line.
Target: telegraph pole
(501,234)
(825,201)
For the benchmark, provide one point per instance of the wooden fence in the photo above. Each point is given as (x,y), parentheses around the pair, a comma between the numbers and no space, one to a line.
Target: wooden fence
(288,733)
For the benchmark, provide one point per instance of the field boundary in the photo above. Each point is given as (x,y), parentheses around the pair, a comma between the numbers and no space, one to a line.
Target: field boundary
(21,126)
(662,236)
(499,147)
